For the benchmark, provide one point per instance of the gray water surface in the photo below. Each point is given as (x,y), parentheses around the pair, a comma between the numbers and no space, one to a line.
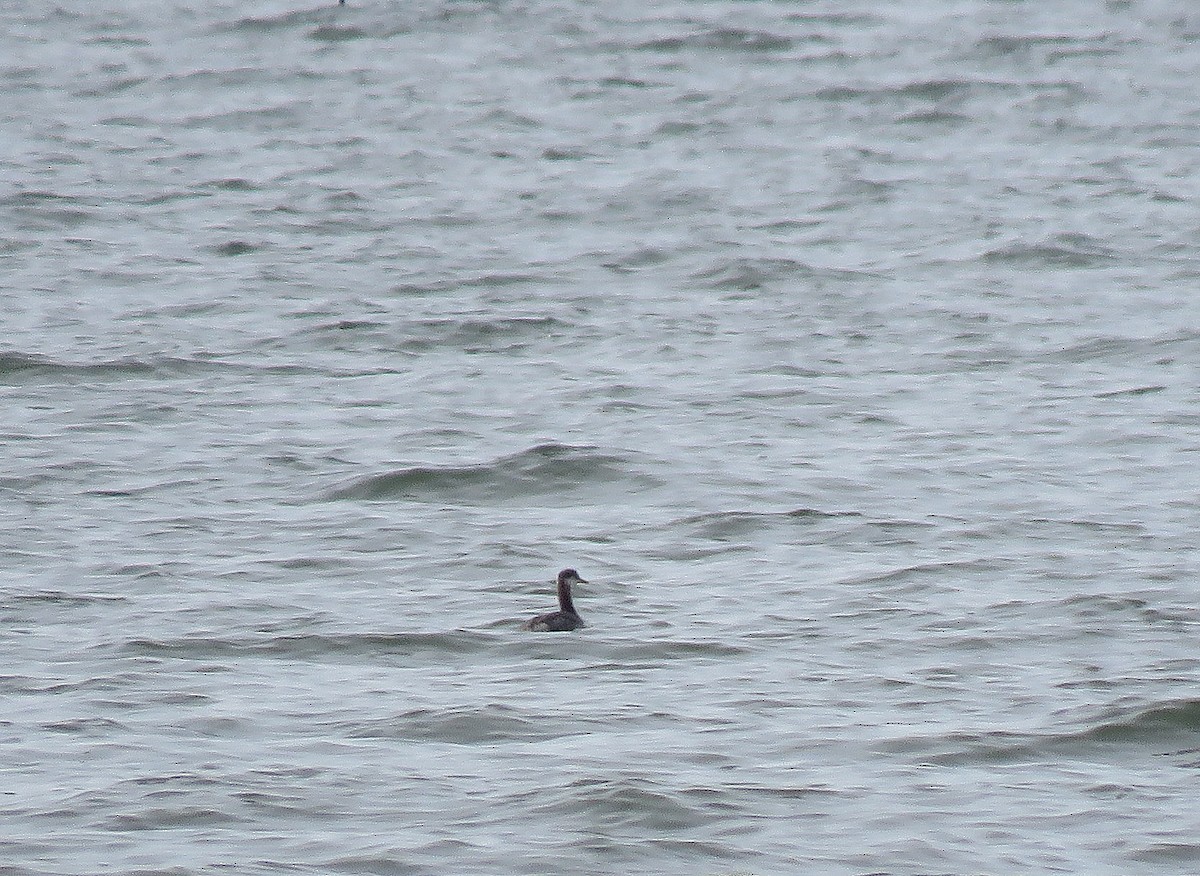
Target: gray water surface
(849,350)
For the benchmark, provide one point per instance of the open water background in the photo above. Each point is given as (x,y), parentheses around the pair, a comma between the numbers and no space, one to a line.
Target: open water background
(849,349)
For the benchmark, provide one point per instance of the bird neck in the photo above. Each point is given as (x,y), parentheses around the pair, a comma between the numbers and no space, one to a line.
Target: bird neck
(564,596)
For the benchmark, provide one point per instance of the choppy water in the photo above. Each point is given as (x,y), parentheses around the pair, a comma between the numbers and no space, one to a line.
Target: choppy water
(850,350)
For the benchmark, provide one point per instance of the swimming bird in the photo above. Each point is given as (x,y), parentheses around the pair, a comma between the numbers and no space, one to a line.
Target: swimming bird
(566,618)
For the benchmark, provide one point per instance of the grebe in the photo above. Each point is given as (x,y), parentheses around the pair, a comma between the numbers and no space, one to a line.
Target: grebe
(566,618)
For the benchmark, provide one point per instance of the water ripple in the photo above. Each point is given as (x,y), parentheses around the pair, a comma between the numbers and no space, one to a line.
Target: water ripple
(556,472)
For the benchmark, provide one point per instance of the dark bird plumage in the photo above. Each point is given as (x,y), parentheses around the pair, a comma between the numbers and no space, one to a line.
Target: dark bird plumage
(566,618)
